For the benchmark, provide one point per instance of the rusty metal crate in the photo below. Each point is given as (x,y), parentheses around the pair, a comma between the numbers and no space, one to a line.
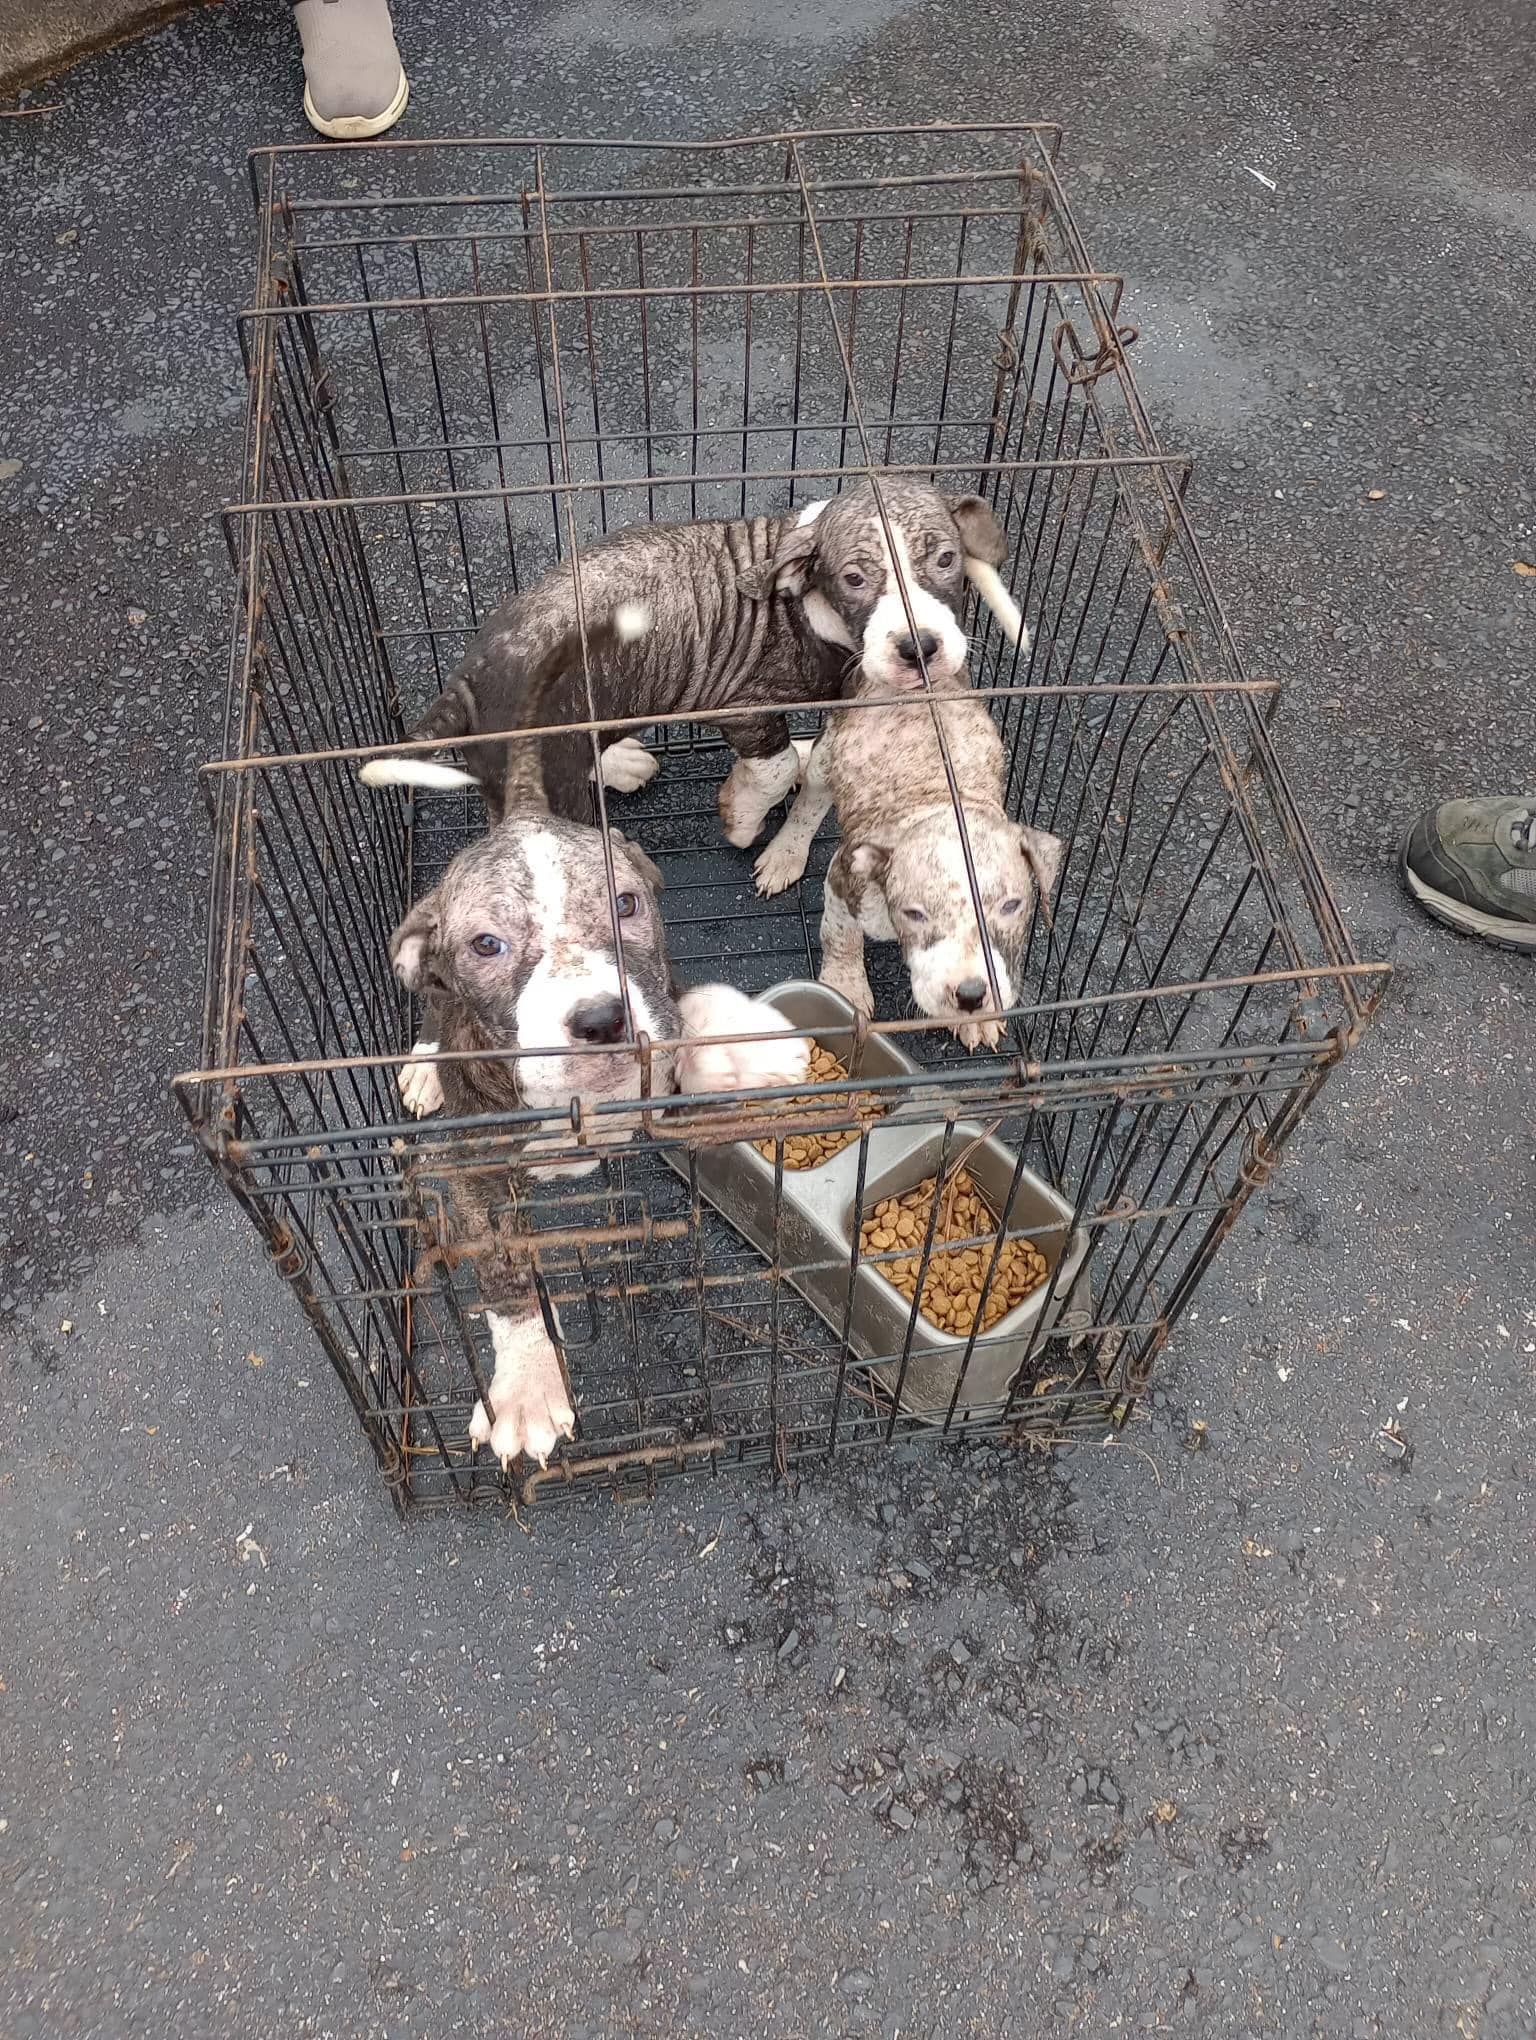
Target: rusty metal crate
(466,360)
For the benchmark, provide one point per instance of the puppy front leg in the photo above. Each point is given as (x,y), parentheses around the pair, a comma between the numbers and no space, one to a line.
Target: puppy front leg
(530,1405)
(842,939)
(783,862)
(766,769)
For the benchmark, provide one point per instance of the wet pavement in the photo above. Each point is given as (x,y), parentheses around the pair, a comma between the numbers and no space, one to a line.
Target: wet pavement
(1136,1737)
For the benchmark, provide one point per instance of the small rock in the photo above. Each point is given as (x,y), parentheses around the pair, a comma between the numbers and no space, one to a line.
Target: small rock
(855,1983)
(665,1829)
(902,1815)
(959,1654)
(789,1646)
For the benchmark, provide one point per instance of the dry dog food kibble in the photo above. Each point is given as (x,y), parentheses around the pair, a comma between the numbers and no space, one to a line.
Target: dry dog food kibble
(953,1284)
(810,1150)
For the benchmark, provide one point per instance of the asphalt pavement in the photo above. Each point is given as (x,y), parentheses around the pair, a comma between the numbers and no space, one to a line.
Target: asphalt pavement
(1134,1737)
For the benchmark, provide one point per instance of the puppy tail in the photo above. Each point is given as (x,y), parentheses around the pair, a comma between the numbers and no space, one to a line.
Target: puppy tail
(455,712)
(988,584)
(413,772)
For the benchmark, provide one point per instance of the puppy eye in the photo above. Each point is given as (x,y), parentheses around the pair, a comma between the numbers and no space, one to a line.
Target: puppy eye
(946,559)
(488,945)
(628,904)
(853,578)
(1011,906)
(914,914)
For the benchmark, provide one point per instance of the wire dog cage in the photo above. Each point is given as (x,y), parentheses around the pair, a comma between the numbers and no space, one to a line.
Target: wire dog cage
(468,360)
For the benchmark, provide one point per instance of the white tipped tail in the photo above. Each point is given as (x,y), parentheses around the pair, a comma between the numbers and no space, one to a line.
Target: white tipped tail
(413,772)
(631,620)
(988,584)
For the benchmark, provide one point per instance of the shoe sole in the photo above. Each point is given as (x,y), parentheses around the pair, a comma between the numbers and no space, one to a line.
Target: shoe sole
(358,127)
(1454,913)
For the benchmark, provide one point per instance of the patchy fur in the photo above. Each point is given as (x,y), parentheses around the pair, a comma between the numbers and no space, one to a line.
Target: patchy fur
(900,872)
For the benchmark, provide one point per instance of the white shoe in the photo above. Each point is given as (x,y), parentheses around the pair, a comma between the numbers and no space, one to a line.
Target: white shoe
(354,81)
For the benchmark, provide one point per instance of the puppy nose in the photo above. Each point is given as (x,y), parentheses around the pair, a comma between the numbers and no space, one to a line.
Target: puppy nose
(970,994)
(907,648)
(597,1020)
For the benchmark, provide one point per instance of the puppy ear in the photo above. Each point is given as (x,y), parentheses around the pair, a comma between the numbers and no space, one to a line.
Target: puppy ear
(869,861)
(1044,854)
(412,942)
(638,859)
(980,533)
(788,571)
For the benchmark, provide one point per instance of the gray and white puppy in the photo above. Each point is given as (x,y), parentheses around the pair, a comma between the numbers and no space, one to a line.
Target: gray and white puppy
(515,949)
(695,618)
(899,874)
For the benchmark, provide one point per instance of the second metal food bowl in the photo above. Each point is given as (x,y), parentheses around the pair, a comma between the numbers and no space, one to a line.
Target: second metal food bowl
(820,1217)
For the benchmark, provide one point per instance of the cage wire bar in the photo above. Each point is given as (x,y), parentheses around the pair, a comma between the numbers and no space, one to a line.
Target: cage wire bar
(468,360)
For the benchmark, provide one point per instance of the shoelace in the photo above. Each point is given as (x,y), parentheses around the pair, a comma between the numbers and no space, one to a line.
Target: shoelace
(1522,832)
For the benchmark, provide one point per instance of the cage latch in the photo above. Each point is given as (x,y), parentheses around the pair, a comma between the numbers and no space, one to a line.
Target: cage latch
(1083,368)
(288,1257)
(1258,1163)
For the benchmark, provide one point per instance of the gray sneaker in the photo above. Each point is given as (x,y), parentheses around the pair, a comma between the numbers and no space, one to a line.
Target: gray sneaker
(1472,864)
(354,82)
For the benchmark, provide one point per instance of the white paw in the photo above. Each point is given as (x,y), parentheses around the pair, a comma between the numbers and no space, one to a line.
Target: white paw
(853,985)
(530,1411)
(628,765)
(703,1065)
(974,1034)
(780,865)
(420,1091)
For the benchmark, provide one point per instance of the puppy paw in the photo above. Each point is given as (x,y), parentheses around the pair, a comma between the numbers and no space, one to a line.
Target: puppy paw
(853,985)
(420,1091)
(974,1034)
(780,865)
(703,1065)
(628,765)
(530,1410)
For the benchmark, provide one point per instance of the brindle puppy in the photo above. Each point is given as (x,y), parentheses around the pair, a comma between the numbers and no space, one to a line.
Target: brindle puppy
(700,617)
(515,949)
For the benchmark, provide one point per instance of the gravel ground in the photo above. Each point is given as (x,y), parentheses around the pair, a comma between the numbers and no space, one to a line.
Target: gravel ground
(1137,1737)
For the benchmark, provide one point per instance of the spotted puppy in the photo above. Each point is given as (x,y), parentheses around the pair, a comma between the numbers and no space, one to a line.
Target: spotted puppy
(695,618)
(899,874)
(516,948)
